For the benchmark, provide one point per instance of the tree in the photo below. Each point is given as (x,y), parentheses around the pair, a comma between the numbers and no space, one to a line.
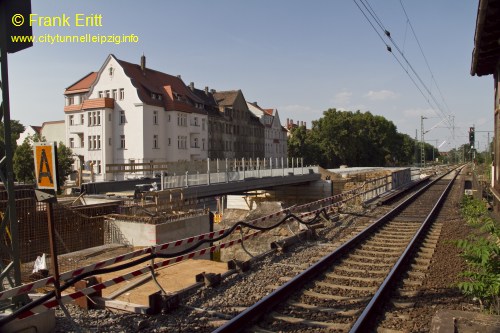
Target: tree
(16,128)
(24,167)
(301,144)
(64,162)
(23,162)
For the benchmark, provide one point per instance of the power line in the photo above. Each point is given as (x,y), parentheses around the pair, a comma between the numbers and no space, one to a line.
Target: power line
(379,22)
(423,55)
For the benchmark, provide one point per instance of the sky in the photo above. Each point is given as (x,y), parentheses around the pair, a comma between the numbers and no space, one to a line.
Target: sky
(299,57)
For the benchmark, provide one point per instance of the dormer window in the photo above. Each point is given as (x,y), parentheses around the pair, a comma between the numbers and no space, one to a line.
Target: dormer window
(111,71)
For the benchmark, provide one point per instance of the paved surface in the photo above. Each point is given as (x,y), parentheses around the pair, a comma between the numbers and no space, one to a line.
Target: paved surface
(455,321)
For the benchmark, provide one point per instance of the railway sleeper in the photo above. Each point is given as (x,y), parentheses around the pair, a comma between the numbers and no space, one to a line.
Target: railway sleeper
(345,287)
(353,262)
(330,297)
(388,248)
(362,271)
(311,323)
(394,254)
(353,278)
(310,307)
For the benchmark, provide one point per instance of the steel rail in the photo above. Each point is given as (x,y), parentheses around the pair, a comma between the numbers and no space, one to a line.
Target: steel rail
(249,316)
(364,321)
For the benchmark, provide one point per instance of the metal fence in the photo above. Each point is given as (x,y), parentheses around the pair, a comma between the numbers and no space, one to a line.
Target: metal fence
(225,172)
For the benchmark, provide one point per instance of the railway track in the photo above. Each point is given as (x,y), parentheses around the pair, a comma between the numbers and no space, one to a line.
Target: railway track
(346,289)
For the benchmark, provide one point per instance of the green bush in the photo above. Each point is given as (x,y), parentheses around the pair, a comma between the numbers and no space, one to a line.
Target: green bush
(481,252)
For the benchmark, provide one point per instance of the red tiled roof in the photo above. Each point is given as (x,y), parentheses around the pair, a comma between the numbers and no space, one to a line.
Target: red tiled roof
(83,85)
(269,111)
(150,81)
(37,129)
(96,103)
(226,98)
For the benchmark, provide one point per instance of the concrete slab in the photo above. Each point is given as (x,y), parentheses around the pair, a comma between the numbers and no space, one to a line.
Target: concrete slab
(456,321)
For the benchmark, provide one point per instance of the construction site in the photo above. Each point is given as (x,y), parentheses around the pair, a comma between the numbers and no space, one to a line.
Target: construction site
(94,234)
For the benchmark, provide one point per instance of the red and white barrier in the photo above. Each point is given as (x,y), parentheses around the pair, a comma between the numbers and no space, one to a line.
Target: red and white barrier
(30,287)
(71,297)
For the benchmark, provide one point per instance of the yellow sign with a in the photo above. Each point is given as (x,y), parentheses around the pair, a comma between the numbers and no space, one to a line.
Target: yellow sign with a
(45,165)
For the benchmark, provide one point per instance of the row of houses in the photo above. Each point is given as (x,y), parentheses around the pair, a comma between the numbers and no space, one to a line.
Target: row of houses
(127,113)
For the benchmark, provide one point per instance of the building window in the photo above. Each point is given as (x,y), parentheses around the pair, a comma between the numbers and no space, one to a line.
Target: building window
(98,142)
(122,141)
(98,166)
(71,100)
(203,124)
(101,94)
(90,142)
(71,120)
(168,118)
(109,117)
(98,117)
(169,141)
(82,119)
(202,144)
(122,94)
(181,120)
(114,94)
(182,142)
(109,141)
(106,93)
(155,117)
(122,117)
(196,143)
(71,142)
(155,141)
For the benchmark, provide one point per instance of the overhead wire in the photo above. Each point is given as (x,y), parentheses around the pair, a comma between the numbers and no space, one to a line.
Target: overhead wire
(425,58)
(369,11)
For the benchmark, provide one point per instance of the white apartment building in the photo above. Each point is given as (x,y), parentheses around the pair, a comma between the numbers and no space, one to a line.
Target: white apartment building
(126,113)
(276,145)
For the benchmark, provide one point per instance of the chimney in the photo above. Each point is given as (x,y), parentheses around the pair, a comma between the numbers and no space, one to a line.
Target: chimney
(212,91)
(178,76)
(206,90)
(287,122)
(297,123)
(143,63)
(191,86)
(255,103)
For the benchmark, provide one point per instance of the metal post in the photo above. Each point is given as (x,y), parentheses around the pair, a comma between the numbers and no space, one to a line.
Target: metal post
(227,172)
(302,163)
(208,171)
(258,167)
(243,166)
(10,216)
(218,179)
(53,249)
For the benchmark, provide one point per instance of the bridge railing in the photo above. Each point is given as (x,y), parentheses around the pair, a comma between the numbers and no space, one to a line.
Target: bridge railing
(235,174)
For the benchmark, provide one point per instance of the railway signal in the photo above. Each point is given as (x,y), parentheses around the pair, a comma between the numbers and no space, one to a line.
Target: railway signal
(471,137)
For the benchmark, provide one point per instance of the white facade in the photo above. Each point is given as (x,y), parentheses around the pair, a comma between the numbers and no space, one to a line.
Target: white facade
(109,122)
(276,145)
(54,131)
